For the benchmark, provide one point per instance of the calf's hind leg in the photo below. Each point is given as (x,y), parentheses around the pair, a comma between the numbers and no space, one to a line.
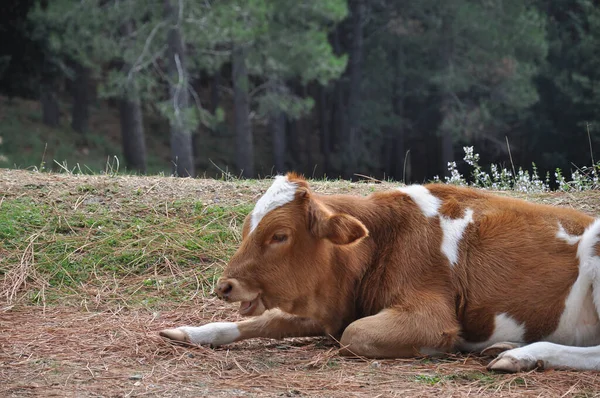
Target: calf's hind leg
(556,356)
(397,333)
(548,356)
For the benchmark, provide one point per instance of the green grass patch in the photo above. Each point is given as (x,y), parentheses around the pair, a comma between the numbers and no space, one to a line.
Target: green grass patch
(139,254)
(18,217)
(429,379)
(481,379)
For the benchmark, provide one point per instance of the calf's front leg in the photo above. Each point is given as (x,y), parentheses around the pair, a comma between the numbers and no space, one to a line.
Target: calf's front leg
(273,324)
(402,333)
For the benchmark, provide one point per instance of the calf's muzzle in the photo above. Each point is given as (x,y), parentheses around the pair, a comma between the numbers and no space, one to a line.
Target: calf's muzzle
(224,289)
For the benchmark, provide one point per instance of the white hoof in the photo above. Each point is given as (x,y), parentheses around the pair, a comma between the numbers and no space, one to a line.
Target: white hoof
(175,335)
(496,349)
(516,360)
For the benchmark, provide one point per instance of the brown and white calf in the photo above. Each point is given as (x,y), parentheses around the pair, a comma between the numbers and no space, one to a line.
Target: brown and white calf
(417,270)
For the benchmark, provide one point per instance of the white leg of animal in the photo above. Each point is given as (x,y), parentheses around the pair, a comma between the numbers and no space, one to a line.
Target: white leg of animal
(216,333)
(273,324)
(548,356)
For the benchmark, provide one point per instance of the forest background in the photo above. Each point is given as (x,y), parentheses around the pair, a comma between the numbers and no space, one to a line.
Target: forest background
(385,88)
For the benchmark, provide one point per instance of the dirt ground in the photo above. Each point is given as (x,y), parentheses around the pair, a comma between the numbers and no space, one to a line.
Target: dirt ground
(65,352)
(79,351)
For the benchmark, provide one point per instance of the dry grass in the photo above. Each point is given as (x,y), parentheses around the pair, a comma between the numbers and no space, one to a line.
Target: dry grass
(159,190)
(68,352)
(99,337)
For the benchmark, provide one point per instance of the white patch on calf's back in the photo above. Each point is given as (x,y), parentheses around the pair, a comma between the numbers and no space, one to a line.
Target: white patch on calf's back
(453,230)
(564,235)
(428,203)
(282,191)
(506,328)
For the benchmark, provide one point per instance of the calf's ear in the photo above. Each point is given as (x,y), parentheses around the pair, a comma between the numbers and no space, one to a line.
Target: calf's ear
(343,229)
(340,229)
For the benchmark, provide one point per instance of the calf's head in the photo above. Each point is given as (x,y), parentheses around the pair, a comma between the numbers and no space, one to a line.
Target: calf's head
(287,250)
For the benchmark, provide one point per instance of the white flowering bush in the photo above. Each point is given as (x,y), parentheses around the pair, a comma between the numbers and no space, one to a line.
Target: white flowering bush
(502,179)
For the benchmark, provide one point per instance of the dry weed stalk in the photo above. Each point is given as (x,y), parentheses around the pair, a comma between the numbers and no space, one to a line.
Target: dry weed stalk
(17,277)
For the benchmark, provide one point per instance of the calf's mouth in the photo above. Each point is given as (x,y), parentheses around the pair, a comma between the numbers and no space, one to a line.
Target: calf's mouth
(252,307)
(234,290)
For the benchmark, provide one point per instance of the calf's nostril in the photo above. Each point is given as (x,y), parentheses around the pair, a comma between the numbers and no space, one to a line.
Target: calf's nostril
(224,289)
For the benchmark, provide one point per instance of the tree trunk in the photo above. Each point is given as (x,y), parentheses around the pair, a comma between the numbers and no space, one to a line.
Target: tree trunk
(278,129)
(48,88)
(181,131)
(80,121)
(325,129)
(132,122)
(50,109)
(48,98)
(241,101)
(215,98)
(447,139)
(401,170)
(394,155)
(356,55)
(279,144)
(295,140)
(339,113)
(447,150)
(132,133)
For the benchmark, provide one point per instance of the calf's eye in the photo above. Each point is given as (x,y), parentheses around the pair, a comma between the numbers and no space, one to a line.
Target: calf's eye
(278,238)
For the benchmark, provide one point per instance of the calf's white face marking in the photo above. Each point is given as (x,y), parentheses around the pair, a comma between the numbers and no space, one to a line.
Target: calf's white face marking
(453,232)
(282,191)
(506,328)
(428,203)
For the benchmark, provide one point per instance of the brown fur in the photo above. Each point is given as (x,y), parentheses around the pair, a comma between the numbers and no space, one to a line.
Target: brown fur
(371,270)
(276,324)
